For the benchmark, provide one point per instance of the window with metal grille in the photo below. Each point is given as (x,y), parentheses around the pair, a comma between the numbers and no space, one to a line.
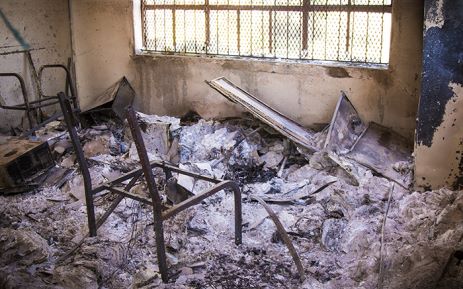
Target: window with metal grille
(334,30)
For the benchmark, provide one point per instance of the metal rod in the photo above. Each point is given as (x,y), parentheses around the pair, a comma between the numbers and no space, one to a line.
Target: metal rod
(143,21)
(262,46)
(43,99)
(348,29)
(366,35)
(270,31)
(120,179)
(190,174)
(13,107)
(382,38)
(156,199)
(207,19)
(313,35)
(174,28)
(116,202)
(217,31)
(34,74)
(129,195)
(32,105)
(55,116)
(284,236)
(238,30)
(69,119)
(40,105)
(325,36)
(287,32)
(196,37)
(207,193)
(295,8)
(238,212)
(339,36)
(38,112)
(250,27)
(184,33)
(102,219)
(70,83)
(154,164)
(24,93)
(305,24)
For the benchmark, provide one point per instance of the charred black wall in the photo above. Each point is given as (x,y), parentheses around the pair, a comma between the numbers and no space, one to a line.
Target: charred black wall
(442,80)
(442,64)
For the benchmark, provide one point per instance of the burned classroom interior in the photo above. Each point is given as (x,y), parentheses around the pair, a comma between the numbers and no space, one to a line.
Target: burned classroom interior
(231,144)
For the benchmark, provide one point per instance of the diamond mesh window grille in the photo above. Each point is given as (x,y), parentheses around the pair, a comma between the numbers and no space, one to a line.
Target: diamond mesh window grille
(335,30)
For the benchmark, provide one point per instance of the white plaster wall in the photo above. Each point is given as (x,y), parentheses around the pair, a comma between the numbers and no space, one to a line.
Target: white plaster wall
(103,44)
(44,24)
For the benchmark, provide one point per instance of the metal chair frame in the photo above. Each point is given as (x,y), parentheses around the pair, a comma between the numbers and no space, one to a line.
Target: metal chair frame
(33,107)
(160,212)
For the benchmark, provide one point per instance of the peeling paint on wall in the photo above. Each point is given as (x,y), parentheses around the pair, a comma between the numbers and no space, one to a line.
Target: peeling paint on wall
(440,164)
(435,15)
(441,47)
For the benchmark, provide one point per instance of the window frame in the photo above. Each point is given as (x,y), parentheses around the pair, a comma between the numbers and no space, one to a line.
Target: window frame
(140,40)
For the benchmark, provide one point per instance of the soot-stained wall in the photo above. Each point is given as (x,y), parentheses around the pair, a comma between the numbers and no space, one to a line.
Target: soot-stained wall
(439,133)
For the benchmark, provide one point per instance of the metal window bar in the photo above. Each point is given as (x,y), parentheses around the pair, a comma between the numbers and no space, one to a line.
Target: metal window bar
(333,30)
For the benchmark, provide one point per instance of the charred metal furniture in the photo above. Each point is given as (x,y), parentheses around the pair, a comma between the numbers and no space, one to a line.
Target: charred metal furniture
(69,86)
(160,212)
(33,108)
(26,106)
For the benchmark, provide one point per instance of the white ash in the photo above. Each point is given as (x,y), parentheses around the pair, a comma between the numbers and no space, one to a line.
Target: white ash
(337,231)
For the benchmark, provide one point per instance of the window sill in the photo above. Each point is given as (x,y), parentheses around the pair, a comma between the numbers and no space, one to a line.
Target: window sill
(328,63)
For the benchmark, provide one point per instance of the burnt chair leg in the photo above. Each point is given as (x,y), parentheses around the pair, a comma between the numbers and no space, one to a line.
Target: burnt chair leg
(156,199)
(68,118)
(198,198)
(238,213)
(116,202)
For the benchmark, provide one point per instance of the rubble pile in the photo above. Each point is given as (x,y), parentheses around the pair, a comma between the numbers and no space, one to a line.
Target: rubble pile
(350,230)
